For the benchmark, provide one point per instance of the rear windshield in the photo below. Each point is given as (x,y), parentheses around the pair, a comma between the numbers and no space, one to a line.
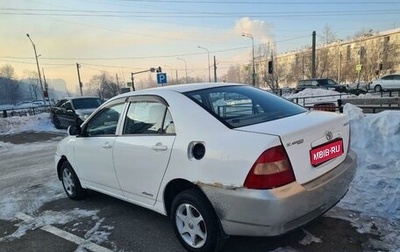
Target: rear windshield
(86,103)
(238,106)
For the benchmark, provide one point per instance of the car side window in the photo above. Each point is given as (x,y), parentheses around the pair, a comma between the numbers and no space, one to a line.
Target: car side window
(66,105)
(59,103)
(148,117)
(389,77)
(105,121)
(169,126)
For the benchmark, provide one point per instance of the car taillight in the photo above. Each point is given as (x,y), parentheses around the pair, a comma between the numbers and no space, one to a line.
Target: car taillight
(272,169)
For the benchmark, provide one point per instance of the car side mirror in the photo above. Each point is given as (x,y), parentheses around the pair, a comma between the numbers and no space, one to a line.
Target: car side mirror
(74,130)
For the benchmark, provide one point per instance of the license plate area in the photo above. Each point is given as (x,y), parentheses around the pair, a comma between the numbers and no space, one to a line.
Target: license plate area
(326,152)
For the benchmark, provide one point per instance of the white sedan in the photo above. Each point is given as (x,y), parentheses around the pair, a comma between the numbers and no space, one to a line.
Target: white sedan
(391,81)
(218,159)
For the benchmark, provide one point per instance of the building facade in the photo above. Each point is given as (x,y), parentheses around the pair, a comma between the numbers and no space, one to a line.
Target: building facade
(362,59)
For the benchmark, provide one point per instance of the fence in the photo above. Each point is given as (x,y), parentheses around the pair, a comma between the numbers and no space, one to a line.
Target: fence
(25,111)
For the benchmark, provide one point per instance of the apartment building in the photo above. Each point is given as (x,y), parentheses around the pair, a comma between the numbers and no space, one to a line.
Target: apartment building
(361,59)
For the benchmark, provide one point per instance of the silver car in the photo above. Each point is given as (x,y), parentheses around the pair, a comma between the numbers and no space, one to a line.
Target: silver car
(388,82)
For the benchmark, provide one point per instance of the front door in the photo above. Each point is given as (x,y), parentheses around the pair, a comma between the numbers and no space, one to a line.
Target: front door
(94,150)
(142,152)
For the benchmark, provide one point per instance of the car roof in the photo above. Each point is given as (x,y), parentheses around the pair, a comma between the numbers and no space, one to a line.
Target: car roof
(317,79)
(180,88)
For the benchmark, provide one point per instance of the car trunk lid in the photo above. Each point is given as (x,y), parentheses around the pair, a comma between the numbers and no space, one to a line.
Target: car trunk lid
(316,142)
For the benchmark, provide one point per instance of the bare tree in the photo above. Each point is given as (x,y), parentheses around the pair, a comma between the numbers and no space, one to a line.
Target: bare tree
(233,74)
(328,35)
(9,87)
(33,84)
(7,71)
(103,85)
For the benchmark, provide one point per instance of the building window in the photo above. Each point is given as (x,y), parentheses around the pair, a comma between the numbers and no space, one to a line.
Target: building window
(348,53)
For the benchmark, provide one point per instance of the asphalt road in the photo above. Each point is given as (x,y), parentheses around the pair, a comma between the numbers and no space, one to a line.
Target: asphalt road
(101,223)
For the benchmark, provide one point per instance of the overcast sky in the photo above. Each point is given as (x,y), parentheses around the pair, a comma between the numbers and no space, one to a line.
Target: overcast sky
(121,37)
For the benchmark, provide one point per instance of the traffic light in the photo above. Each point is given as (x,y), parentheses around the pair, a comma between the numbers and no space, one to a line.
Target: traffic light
(270,67)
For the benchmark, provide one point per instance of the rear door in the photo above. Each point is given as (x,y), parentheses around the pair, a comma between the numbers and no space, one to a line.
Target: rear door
(388,82)
(142,152)
(396,81)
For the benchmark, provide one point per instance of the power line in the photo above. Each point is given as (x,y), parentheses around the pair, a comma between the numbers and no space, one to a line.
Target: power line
(181,14)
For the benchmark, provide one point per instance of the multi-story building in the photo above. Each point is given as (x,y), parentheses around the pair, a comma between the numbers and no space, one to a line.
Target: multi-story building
(362,59)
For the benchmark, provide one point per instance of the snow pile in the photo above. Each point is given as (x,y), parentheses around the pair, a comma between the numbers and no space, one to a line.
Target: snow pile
(376,139)
(15,124)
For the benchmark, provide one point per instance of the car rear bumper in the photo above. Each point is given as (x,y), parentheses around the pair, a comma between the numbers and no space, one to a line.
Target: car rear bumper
(274,212)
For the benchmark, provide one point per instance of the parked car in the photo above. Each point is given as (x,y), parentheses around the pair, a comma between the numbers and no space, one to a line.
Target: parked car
(391,81)
(320,83)
(218,159)
(73,110)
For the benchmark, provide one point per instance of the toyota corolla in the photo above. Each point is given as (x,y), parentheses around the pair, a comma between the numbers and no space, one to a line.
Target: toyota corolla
(218,159)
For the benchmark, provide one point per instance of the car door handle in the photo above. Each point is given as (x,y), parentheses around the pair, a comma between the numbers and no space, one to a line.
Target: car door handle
(107,145)
(159,147)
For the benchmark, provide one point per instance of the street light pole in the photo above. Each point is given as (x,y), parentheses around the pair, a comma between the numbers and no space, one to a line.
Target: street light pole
(248,35)
(37,64)
(208,54)
(185,68)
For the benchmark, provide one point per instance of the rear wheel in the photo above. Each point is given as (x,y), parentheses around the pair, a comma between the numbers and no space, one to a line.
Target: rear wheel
(195,223)
(71,183)
(378,88)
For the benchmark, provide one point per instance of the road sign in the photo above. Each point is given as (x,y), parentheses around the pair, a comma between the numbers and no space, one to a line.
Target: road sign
(358,67)
(161,78)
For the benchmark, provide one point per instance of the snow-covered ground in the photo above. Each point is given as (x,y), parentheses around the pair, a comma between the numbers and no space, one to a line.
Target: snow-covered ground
(374,193)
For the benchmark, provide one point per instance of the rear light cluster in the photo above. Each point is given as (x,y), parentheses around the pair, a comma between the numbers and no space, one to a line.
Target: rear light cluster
(272,169)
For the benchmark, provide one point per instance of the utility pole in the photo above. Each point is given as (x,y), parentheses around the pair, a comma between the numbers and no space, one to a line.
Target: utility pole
(46,87)
(133,84)
(38,68)
(215,70)
(313,57)
(79,78)
(253,75)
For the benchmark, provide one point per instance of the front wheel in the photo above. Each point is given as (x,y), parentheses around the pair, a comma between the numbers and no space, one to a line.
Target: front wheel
(378,88)
(195,223)
(71,183)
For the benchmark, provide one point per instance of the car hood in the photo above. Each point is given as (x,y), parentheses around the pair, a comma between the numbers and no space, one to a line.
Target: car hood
(301,133)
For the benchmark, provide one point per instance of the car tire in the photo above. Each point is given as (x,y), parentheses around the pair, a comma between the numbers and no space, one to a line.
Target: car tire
(378,88)
(195,222)
(56,122)
(72,185)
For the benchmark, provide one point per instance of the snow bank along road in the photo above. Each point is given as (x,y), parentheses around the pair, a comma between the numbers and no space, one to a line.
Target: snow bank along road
(36,215)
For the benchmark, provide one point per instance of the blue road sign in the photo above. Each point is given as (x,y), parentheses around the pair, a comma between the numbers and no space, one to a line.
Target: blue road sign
(161,78)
